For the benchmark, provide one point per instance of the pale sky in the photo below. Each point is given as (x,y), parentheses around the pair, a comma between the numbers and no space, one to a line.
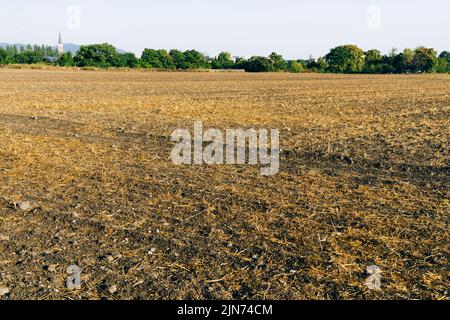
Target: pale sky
(294,28)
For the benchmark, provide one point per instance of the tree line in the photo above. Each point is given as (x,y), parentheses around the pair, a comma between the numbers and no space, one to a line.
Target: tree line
(27,54)
(341,59)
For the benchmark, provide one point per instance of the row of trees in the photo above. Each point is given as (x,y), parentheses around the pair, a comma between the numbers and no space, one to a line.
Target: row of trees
(351,59)
(27,55)
(342,59)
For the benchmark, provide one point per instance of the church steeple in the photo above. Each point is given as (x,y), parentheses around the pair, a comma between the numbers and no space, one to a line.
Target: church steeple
(60,45)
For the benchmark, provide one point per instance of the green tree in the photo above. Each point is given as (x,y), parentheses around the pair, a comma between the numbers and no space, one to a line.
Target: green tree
(97,55)
(373,56)
(372,61)
(29,54)
(28,57)
(319,65)
(345,59)
(175,59)
(258,64)
(424,60)
(195,60)
(294,66)
(65,60)
(178,59)
(311,64)
(166,59)
(278,62)
(408,57)
(445,55)
(157,59)
(442,66)
(3,56)
(223,61)
(400,63)
(11,50)
(128,60)
(150,58)
(322,65)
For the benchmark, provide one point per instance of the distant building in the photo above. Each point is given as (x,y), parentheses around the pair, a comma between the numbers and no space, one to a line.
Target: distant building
(60,45)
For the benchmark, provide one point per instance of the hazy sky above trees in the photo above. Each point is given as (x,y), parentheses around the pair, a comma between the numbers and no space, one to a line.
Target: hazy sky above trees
(294,28)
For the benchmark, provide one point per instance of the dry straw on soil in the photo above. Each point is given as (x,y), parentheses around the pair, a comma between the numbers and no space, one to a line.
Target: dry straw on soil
(364,181)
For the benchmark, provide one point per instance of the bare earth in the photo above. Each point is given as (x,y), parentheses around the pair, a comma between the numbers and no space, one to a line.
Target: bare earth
(364,180)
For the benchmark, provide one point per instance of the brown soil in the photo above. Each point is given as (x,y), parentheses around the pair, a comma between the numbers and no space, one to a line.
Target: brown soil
(364,180)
